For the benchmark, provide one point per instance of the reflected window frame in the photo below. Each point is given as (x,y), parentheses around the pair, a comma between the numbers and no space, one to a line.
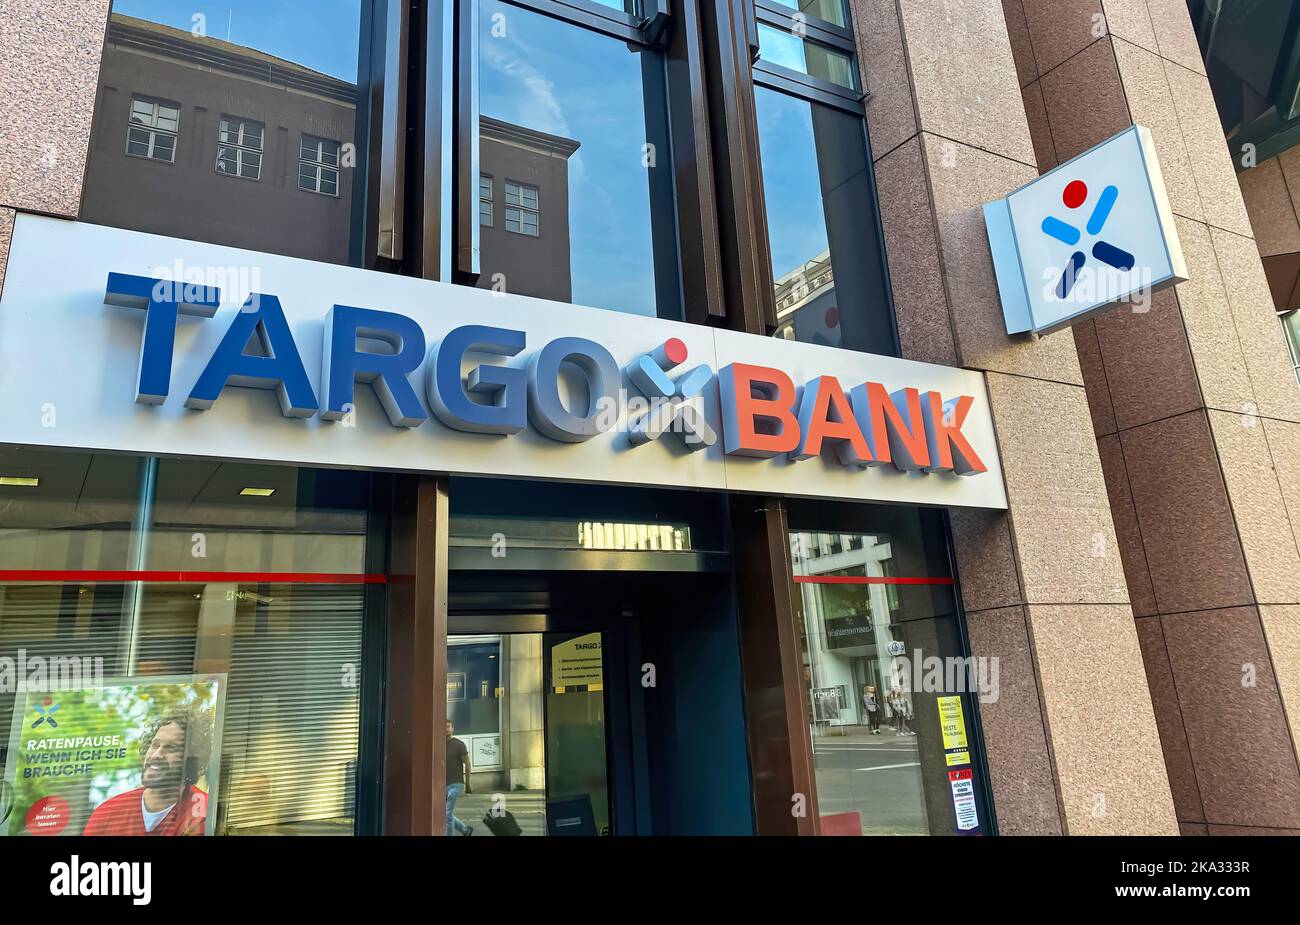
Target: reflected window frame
(486,200)
(312,153)
(641,23)
(778,17)
(849,101)
(245,151)
(522,209)
(152,129)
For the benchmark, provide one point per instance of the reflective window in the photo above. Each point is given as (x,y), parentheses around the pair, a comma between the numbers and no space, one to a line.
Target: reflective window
(827,265)
(526,751)
(239,151)
(252,87)
(485,200)
(830,10)
(318,166)
(1291,328)
(569,118)
(522,213)
(200,623)
(151,130)
(890,697)
(806,56)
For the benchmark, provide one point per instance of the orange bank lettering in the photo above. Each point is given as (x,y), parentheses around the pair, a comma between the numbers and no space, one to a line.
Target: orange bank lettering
(762,415)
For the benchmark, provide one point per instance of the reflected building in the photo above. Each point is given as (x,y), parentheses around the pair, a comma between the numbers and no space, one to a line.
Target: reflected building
(806,308)
(524,210)
(191,128)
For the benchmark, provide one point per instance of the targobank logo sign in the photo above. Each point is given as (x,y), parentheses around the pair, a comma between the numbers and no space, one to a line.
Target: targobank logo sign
(1096,230)
(335,366)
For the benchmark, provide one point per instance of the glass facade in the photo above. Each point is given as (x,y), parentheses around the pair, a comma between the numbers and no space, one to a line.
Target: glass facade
(822,229)
(227,125)
(572,122)
(891,695)
(129,570)
(228,613)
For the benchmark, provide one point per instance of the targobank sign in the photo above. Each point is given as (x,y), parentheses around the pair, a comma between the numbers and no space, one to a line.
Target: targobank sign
(1096,230)
(113,340)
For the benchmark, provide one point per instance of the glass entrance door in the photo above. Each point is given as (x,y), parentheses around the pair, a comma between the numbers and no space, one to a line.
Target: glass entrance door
(526,753)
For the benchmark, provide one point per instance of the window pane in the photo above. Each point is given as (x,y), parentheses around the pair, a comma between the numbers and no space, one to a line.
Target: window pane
(875,607)
(564,111)
(830,10)
(288,731)
(199,79)
(1291,327)
(806,56)
(822,225)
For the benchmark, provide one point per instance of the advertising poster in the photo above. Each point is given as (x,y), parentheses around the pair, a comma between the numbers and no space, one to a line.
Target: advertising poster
(577,663)
(133,756)
(952,722)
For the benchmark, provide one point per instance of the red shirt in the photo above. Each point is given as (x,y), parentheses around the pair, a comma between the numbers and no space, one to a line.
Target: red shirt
(124,815)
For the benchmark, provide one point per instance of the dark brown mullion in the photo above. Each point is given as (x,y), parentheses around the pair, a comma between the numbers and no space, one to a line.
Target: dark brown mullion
(776,708)
(465,144)
(742,223)
(385,85)
(697,202)
(433,133)
(415,760)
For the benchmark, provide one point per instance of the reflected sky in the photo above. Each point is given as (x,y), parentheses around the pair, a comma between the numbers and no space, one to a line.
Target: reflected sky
(791,187)
(322,35)
(558,78)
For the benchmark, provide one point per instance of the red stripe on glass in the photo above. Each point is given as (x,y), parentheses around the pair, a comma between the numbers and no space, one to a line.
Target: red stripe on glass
(868,580)
(166,577)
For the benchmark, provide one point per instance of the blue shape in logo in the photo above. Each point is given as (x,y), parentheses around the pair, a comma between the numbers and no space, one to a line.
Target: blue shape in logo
(671,402)
(1075,194)
(47,716)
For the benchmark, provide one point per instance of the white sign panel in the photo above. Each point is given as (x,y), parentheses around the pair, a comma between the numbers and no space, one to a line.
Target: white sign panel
(114,340)
(1095,230)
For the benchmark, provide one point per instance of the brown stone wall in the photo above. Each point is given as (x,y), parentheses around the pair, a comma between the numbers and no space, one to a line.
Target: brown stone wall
(1072,740)
(1195,410)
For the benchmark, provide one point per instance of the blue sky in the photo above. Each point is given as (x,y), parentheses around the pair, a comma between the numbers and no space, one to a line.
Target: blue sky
(322,34)
(558,78)
(791,185)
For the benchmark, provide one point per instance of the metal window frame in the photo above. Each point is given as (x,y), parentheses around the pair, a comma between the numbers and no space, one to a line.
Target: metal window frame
(489,200)
(667,127)
(153,130)
(238,147)
(320,166)
(798,83)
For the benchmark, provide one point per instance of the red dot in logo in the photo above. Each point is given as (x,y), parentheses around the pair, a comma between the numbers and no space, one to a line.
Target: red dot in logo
(1075,194)
(832,317)
(48,816)
(675,350)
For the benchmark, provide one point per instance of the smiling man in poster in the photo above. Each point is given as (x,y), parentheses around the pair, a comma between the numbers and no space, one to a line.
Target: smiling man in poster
(175,752)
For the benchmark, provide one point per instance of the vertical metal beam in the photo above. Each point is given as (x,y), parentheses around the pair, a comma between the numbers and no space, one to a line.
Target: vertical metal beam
(746,259)
(435,130)
(129,651)
(382,121)
(697,202)
(776,708)
(416,698)
(466,145)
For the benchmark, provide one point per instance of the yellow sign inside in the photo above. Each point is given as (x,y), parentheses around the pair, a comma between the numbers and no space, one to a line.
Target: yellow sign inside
(953,723)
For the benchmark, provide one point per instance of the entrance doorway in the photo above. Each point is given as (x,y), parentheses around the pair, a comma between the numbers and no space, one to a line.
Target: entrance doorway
(530,709)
